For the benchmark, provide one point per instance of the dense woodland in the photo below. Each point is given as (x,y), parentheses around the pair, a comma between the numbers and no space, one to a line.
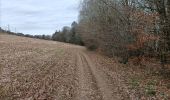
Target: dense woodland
(122,28)
(127,28)
(68,35)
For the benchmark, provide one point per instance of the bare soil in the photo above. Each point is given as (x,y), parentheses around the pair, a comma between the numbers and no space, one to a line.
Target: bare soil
(33,69)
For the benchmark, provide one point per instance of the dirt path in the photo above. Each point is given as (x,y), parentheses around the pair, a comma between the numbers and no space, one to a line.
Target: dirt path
(93,83)
(32,69)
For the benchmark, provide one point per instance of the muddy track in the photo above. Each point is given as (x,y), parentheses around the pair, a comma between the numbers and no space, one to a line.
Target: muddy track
(93,83)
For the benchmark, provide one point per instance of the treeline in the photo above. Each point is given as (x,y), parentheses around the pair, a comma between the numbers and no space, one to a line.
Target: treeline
(68,35)
(126,28)
(45,37)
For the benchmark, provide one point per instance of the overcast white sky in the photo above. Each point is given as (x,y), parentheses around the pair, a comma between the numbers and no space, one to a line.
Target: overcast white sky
(38,16)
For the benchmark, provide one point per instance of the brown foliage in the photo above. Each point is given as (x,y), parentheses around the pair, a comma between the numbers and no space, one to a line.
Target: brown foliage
(122,28)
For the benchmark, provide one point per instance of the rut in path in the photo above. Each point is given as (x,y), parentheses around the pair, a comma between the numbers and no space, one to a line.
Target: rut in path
(93,83)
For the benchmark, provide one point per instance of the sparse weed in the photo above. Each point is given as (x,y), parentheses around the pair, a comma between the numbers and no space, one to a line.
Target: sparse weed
(2,92)
(134,83)
(150,88)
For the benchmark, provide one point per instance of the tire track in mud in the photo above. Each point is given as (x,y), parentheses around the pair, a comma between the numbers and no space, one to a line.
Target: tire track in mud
(88,90)
(98,81)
